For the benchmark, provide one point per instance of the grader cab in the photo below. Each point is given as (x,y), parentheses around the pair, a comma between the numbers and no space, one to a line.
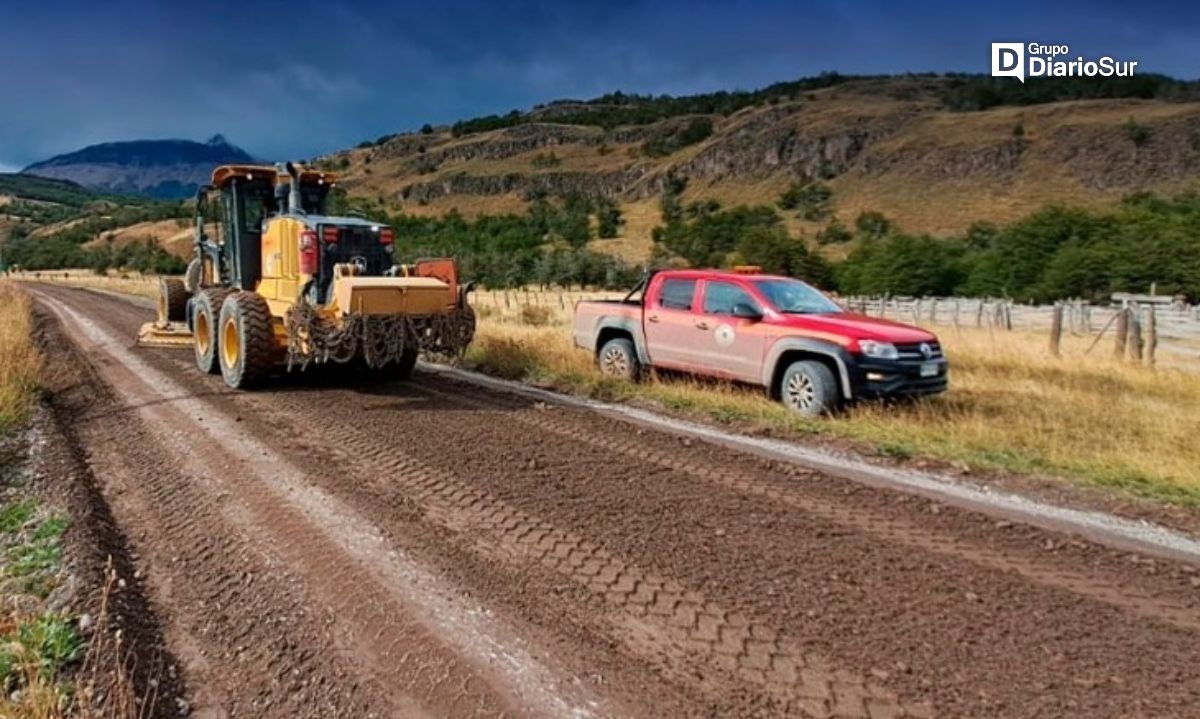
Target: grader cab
(276,283)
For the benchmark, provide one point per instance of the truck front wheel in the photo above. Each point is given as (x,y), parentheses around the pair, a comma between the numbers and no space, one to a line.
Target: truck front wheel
(618,359)
(809,388)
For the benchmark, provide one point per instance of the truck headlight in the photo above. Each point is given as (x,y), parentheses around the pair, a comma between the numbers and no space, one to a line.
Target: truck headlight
(879,350)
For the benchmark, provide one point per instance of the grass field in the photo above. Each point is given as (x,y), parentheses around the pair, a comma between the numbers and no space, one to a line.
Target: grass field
(1011,407)
(19,359)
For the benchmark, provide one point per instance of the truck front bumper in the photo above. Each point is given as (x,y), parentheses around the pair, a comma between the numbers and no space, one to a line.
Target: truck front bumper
(898,378)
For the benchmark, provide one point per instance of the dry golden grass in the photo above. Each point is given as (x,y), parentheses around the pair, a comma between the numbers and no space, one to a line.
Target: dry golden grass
(175,236)
(934,185)
(19,358)
(1012,406)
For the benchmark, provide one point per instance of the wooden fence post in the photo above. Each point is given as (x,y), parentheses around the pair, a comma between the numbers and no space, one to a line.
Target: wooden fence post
(1056,328)
(1135,333)
(1122,333)
(979,314)
(1151,336)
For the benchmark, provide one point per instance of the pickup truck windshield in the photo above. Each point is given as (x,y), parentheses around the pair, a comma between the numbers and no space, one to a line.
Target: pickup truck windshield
(795,297)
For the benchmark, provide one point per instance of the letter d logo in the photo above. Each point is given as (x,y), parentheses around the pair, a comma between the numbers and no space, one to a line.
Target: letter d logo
(1008,60)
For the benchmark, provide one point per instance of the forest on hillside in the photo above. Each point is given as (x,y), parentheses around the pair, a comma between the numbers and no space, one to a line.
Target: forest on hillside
(1053,253)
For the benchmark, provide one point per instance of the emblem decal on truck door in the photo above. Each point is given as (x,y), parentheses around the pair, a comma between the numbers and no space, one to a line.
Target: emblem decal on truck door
(725,335)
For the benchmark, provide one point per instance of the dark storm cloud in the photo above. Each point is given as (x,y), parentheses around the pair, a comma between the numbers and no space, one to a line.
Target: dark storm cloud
(297,78)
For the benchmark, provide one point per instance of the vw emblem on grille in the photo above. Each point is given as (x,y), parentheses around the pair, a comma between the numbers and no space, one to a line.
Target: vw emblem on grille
(926,350)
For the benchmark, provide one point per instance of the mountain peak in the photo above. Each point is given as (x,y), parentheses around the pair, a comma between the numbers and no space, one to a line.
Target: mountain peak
(157,168)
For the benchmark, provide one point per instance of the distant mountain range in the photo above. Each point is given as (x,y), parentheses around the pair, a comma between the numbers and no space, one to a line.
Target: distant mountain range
(166,169)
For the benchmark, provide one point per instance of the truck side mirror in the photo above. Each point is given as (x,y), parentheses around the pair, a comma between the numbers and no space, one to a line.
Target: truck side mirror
(746,312)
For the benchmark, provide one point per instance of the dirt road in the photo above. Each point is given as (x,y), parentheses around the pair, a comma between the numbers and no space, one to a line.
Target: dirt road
(433,548)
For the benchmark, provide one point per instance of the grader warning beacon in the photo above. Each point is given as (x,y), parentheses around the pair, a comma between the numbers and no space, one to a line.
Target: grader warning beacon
(278,284)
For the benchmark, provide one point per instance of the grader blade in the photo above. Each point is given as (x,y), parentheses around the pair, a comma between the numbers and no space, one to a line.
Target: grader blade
(170,334)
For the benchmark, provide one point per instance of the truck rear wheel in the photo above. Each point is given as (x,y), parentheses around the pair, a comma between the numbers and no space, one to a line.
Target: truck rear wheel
(618,359)
(172,300)
(247,345)
(205,313)
(808,388)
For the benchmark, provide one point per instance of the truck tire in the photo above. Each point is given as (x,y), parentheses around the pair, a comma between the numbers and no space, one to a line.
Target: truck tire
(206,312)
(618,358)
(809,388)
(247,345)
(172,300)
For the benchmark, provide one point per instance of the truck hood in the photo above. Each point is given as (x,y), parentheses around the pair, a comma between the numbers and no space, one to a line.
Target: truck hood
(859,327)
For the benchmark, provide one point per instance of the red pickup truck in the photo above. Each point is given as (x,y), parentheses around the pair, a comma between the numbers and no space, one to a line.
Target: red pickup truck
(766,330)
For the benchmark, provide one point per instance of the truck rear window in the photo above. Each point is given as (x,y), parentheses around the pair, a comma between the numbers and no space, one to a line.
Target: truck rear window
(677,294)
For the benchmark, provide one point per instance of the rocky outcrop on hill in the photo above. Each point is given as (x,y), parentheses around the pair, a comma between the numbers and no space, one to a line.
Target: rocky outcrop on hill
(881,136)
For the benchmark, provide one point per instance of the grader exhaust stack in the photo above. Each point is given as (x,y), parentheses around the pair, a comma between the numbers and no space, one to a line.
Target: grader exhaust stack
(277,287)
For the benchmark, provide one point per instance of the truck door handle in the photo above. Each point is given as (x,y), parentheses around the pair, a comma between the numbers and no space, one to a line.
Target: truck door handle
(701,325)
(652,318)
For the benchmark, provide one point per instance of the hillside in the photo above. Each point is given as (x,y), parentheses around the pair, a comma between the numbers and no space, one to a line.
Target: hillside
(933,154)
(44,223)
(168,169)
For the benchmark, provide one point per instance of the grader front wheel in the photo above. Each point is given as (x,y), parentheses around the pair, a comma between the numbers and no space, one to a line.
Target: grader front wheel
(247,341)
(205,337)
(172,301)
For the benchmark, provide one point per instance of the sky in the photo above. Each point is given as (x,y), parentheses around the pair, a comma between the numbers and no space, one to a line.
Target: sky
(300,78)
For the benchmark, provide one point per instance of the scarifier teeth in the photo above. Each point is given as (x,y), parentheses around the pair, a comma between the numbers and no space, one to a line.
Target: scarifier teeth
(378,339)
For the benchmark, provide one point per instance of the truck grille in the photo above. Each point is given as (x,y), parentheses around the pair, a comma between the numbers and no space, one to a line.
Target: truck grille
(912,351)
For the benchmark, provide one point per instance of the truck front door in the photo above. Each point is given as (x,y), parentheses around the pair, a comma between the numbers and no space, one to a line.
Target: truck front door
(671,324)
(733,347)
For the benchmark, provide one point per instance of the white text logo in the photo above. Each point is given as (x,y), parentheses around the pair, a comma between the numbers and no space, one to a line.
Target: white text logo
(1033,59)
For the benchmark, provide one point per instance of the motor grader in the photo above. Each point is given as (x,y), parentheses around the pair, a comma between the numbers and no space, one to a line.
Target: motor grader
(277,284)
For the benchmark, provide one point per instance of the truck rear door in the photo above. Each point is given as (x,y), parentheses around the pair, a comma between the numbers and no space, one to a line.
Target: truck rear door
(731,347)
(670,323)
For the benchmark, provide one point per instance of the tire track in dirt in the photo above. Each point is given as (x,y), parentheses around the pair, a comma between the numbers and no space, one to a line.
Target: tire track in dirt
(1072,630)
(688,635)
(329,547)
(693,640)
(885,528)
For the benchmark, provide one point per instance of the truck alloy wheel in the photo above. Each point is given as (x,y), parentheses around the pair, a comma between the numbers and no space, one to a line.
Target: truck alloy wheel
(808,388)
(618,359)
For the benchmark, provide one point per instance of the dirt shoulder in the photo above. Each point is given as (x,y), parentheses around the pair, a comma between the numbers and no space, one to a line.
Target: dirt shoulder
(80,637)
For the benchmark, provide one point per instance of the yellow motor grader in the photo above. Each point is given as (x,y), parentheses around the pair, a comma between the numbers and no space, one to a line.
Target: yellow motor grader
(277,284)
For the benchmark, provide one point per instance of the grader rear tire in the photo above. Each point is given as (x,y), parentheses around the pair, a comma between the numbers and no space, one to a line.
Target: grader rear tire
(401,369)
(205,340)
(247,340)
(172,300)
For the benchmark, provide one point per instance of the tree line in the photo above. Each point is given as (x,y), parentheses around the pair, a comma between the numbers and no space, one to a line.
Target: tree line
(1053,253)
(957,91)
